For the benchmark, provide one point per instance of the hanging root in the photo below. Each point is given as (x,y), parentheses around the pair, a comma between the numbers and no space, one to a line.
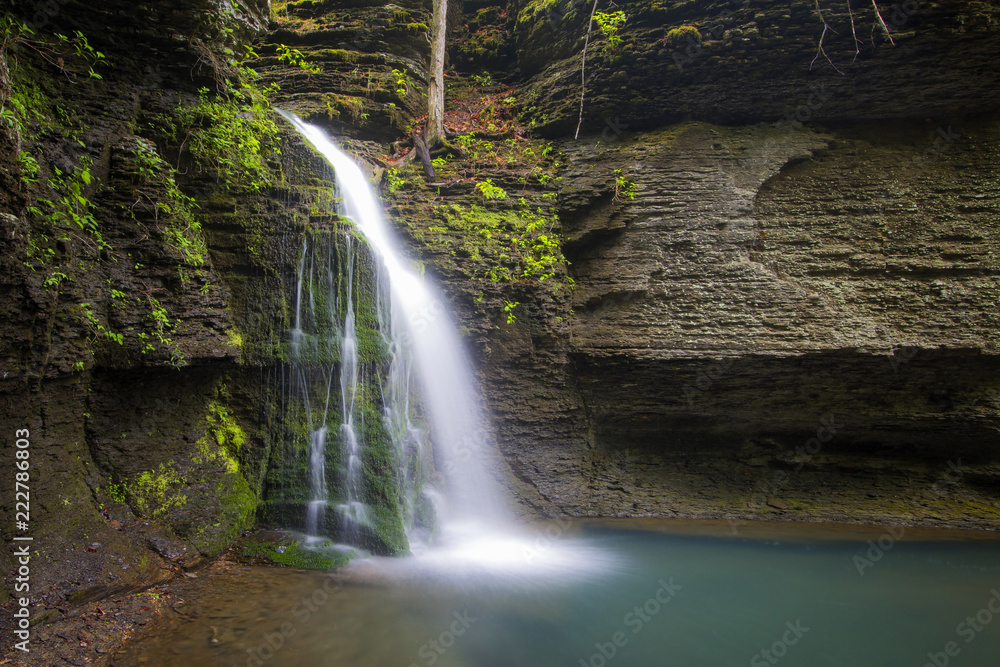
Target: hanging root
(820,50)
(854,33)
(884,26)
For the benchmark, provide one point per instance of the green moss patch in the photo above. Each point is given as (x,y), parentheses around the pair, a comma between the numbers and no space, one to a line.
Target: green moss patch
(505,245)
(156,492)
(286,551)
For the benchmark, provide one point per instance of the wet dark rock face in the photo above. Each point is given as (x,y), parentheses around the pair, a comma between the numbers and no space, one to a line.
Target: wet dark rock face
(785,299)
(120,353)
(735,62)
(762,281)
(768,274)
(147,361)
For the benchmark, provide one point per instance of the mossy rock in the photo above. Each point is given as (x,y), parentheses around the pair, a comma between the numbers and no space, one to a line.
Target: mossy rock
(235,511)
(274,548)
(386,536)
(683,35)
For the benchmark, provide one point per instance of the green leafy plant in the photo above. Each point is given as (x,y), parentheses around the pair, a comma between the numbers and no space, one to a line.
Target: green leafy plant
(55,280)
(506,246)
(28,108)
(98,329)
(118,492)
(162,326)
(230,134)
(295,58)
(543,257)
(624,188)
(182,231)
(609,23)
(69,206)
(36,253)
(508,309)
(490,191)
(29,167)
(90,56)
(146,346)
(337,104)
(394,181)
(402,85)
(71,56)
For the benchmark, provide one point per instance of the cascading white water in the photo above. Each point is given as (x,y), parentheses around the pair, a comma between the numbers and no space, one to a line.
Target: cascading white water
(456,418)
(308,347)
(408,440)
(353,509)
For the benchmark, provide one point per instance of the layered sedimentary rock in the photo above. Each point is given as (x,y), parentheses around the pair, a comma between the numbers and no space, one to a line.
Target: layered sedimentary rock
(740,288)
(123,331)
(762,284)
(737,62)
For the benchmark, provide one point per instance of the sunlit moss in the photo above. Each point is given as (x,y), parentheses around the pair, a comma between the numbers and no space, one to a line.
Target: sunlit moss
(683,34)
(154,492)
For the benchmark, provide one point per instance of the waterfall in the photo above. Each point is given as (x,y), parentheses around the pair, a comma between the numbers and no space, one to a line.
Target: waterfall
(423,344)
(353,510)
(408,439)
(313,368)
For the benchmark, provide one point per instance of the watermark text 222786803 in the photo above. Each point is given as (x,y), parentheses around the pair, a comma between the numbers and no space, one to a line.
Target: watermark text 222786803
(22,517)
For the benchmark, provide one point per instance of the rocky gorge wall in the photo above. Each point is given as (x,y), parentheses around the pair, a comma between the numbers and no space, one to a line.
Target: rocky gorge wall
(747,297)
(752,288)
(153,214)
(787,320)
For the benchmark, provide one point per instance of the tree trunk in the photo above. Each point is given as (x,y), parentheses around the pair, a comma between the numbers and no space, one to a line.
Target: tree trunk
(421,149)
(435,91)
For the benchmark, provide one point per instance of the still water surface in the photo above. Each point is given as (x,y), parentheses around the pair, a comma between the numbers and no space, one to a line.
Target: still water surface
(628,593)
